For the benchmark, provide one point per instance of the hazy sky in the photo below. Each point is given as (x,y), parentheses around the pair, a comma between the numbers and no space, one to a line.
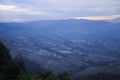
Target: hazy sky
(26,10)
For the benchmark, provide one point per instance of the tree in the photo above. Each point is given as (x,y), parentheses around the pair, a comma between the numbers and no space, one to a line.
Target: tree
(4,54)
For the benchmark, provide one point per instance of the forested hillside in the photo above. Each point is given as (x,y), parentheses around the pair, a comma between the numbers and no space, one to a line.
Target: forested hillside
(15,70)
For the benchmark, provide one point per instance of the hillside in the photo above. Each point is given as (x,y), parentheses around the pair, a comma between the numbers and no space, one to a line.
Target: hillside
(12,71)
(78,47)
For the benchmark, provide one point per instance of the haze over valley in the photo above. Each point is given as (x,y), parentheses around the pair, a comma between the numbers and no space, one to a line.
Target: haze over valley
(79,47)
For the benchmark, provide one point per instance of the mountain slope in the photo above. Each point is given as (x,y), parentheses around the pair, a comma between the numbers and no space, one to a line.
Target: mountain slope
(75,46)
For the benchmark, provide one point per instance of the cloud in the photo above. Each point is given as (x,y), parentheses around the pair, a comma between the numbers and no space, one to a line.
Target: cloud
(11,20)
(13,8)
(58,9)
(13,13)
(99,17)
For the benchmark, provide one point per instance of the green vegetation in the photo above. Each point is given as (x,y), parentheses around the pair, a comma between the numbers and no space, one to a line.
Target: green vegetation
(8,68)
(100,76)
(11,70)
(4,55)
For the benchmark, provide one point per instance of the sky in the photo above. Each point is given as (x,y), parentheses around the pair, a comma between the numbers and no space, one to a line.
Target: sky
(29,10)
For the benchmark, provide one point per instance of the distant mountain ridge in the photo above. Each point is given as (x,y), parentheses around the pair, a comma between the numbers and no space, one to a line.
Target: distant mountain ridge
(117,20)
(77,46)
(61,20)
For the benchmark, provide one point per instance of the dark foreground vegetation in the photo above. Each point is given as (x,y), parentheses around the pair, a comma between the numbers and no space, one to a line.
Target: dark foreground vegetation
(15,70)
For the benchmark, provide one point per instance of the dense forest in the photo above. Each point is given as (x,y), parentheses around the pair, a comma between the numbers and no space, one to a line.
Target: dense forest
(14,69)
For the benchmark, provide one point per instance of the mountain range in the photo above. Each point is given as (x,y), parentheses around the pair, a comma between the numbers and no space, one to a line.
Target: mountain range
(78,47)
